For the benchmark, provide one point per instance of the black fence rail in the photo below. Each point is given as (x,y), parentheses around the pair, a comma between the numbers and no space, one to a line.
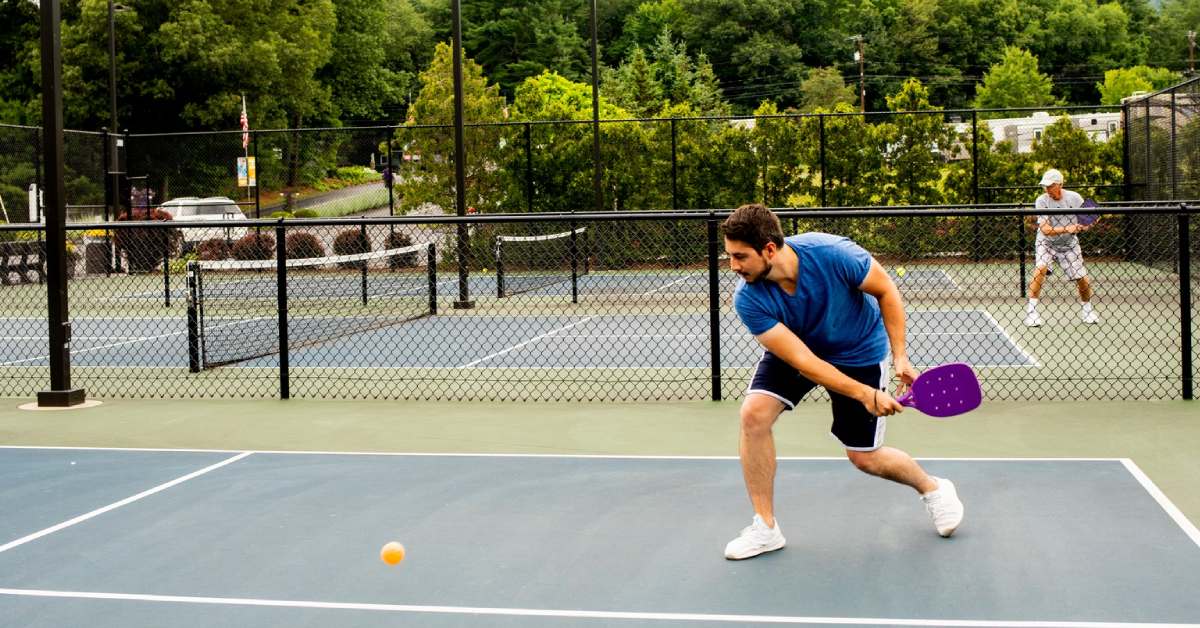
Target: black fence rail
(611,306)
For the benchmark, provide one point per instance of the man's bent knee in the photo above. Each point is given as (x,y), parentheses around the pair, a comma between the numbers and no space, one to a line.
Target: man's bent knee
(866,461)
(759,413)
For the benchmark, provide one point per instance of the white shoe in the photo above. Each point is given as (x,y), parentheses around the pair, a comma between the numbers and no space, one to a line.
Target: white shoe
(1032,319)
(944,507)
(1090,317)
(755,539)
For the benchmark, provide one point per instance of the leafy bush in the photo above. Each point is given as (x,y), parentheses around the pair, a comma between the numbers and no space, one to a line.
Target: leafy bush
(282,214)
(214,249)
(351,242)
(254,246)
(145,247)
(305,213)
(303,245)
(397,240)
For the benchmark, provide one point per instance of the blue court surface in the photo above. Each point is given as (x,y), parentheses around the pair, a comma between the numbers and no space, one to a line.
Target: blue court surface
(546,341)
(112,538)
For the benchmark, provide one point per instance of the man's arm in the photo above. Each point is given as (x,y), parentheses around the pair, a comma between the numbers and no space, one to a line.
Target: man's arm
(780,341)
(891,306)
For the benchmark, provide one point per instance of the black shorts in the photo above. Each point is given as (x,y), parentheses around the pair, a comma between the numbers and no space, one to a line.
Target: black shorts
(853,424)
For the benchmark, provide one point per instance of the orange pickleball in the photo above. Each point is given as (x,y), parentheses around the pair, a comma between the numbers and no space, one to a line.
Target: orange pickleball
(392,553)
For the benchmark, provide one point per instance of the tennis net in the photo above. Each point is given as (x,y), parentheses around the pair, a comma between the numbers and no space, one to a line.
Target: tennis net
(234,306)
(528,263)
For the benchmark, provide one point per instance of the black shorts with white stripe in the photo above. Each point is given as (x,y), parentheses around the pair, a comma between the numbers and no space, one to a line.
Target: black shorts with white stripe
(853,424)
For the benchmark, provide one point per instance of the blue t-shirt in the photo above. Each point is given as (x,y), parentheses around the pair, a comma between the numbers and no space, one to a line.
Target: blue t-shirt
(835,319)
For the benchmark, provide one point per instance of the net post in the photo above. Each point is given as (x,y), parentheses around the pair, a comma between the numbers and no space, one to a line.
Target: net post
(193,318)
(282,298)
(714,308)
(499,268)
(431,267)
(167,269)
(1185,299)
(1021,254)
(574,252)
(365,263)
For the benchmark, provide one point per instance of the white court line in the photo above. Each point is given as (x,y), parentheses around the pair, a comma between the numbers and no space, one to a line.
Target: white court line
(531,340)
(73,338)
(582,614)
(1010,339)
(555,331)
(1172,510)
(421,454)
(133,340)
(113,506)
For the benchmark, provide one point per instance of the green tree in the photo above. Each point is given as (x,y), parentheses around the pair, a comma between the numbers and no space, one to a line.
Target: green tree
(853,159)
(374,60)
(1014,82)
(1078,38)
(825,89)
(514,41)
(915,142)
(643,26)
(430,177)
(17,68)
(1122,82)
(1069,149)
(1168,34)
(634,85)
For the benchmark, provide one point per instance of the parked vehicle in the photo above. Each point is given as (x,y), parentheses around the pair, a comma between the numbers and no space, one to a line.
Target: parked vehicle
(213,208)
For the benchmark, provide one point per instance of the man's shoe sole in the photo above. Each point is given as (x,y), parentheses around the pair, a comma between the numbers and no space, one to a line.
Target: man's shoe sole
(764,550)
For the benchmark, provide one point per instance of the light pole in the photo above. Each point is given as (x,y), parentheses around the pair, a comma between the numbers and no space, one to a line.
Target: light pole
(113,162)
(860,57)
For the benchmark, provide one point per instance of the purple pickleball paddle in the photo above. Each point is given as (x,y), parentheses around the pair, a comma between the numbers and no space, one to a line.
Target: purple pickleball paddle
(946,390)
(1087,219)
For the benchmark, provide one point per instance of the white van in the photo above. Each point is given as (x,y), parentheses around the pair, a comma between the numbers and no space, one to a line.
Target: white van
(213,208)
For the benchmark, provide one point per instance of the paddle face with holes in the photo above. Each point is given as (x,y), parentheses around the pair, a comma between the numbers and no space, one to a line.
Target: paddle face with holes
(944,391)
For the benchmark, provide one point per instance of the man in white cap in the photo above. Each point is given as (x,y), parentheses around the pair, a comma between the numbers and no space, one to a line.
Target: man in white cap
(1057,242)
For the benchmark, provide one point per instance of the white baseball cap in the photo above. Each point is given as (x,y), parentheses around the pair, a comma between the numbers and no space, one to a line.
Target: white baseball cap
(1051,177)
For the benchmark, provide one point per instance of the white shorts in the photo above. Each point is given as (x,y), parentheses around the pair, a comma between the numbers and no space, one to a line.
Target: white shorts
(1070,260)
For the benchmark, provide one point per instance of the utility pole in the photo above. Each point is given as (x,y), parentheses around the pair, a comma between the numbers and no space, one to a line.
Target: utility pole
(860,57)
(1191,53)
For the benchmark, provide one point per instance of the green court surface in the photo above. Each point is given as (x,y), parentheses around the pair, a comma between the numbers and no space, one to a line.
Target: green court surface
(1162,437)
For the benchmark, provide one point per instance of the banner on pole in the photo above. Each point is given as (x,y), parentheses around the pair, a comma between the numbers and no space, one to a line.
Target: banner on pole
(245,172)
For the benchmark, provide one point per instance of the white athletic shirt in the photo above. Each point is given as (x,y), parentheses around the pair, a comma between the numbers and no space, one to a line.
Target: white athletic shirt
(1069,200)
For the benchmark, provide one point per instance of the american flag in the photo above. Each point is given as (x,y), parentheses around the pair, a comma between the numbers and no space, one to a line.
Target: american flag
(245,126)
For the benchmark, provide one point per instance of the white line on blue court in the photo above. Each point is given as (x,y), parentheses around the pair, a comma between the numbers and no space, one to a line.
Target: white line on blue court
(1172,510)
(113,506)
(580,614)
(1010,340)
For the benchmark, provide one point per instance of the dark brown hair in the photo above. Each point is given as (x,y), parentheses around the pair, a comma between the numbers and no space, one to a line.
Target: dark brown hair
(755,225)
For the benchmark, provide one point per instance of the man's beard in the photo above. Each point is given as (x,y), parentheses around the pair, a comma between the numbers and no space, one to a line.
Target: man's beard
(766,271)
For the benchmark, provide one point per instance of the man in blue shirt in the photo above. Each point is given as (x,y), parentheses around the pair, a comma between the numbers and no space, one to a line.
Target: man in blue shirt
(826,314)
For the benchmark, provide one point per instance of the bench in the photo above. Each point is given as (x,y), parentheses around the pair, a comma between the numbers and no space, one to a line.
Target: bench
(22,258)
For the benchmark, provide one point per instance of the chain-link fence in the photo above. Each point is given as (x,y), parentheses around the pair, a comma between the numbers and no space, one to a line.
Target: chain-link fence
(614,306)
(843,159)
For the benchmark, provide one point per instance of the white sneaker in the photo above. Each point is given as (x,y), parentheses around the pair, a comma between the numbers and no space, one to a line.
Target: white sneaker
(1089,317)
(755,539)
(1032,319)
(944,507)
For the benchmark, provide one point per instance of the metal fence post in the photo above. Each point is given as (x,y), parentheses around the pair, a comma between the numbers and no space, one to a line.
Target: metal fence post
(257,176)
(1185,300)
(821,148)
(281,291)
(714,308)
(674,167)
(528,168)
